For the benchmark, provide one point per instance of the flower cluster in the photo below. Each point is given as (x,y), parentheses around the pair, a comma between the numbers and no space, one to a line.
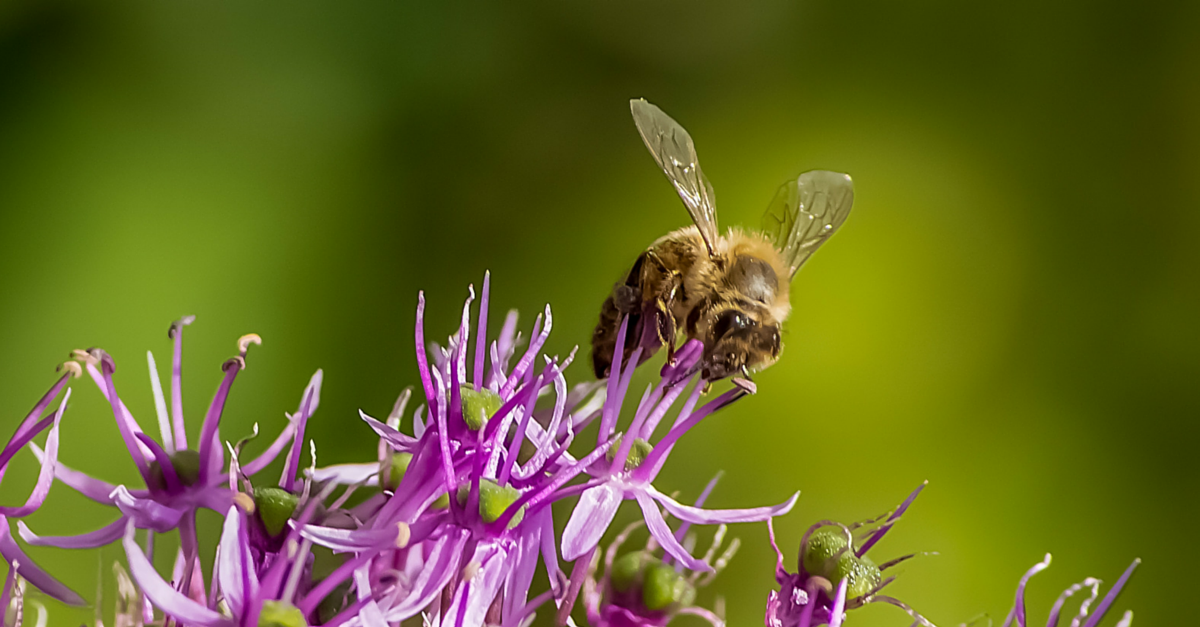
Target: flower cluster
(452,523)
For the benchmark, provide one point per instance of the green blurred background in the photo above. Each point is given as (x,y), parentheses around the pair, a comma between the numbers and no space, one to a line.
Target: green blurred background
(1010,312)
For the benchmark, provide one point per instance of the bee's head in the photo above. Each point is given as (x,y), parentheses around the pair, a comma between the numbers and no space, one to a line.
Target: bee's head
(739,343)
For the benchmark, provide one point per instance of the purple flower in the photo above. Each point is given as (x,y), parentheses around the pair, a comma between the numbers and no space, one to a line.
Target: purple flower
(1018,616)
(246,589)
(33,424)
(641,589)
(178,479)
(629,473)
(478,513)
(835,573)
(478,518)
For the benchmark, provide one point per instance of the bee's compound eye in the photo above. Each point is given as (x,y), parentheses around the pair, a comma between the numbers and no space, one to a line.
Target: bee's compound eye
(730,320)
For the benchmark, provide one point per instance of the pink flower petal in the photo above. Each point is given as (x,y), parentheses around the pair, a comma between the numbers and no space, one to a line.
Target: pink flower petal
(592,515)
(162,595)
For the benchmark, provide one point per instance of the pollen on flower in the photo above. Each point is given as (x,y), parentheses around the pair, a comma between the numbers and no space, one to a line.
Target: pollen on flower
(403,535)
(244,501)
(72,367)
(246,340)
(179,324)
(86,356)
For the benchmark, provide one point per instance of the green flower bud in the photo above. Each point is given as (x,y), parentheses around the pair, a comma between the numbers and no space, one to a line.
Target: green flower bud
(274,506)
(861,575)
(186,464)
(396,470)
(478,406)
(824,556)
(661,587)
(637,452)
(493,500)
(280,614)
(627,570)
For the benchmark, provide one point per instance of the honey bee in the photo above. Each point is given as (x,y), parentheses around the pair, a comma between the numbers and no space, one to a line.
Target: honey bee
(729,291)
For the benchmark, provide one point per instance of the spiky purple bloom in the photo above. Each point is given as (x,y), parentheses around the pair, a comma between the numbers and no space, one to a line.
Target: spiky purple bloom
(630,473)
(246,589)
(33,424)
(640,589)
(179,479)
(847,578)
(473,561)
(1017,616)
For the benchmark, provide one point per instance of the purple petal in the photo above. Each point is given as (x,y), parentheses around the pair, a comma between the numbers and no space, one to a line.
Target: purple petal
(514,448)
(101,537)
(146,513)
(523,364)
(475,593)
(702,516)
(30,571)
(46,474)
(94,489)
(618,384)
(523,559)
(356,540)
(398,441)
(580,572)
(235,568)
(308,406)
(686,359)
(681,531)
(348,474)
(18,442)
(448,474)
(1056,609)
(1018,610)
(40,406)
(658,455)
(160,405)
(370,615)
(661,532)
(548,549)
(170,476)
(481,335)
(162,595)
(546,494)
(176,333)
(647,428)
(22,436)
(422,357)
(780,571)
(503,348)
(441,563)
(879,533)
(838,612)
(1102,609)
(211,451)
(592,515)
(125,422)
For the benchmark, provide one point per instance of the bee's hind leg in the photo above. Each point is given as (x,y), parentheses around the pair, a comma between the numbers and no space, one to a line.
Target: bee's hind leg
(667,330)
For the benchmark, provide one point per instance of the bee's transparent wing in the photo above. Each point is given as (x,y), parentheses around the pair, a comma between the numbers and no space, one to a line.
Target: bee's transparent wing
(806,212)
(673,150)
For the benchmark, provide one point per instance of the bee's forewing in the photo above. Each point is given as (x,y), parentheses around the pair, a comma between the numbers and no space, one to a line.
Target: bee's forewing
(675,153)
(806,212)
